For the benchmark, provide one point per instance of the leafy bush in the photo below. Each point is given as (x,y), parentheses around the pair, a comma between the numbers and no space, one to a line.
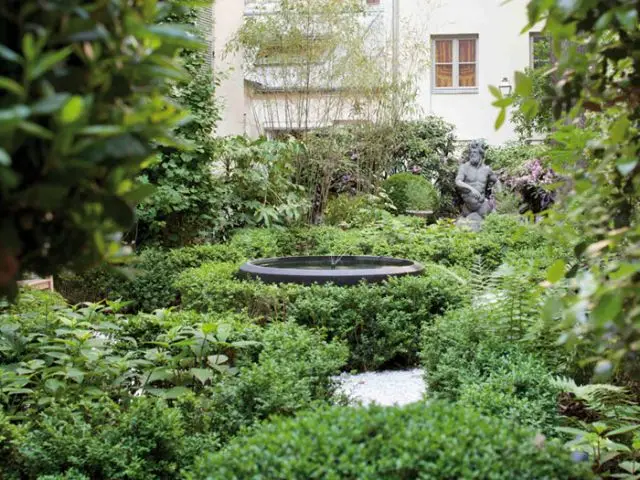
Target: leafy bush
(510,158)
(411,192)
(292,371)
(213,288)
(380,323)
(436,440)
(144,440)
(185,202)
(517,387)
(69,90)
(465,345)
(354,210)
(427,147)
(149,283)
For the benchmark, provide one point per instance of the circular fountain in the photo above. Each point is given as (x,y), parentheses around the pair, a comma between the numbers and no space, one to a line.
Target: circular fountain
(339,270)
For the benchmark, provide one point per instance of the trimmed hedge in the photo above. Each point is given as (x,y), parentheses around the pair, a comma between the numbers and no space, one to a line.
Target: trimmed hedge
(380,323)
(148,283)
(411,192)
(433,441)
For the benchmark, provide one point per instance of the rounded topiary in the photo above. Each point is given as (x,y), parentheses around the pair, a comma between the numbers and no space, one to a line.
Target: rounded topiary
(434,440)
(411,192)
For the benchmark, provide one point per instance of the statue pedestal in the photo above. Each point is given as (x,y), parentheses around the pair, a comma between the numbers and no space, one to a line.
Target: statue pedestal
(473,222)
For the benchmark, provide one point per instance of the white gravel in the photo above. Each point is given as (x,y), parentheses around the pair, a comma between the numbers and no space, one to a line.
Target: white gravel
(386,388)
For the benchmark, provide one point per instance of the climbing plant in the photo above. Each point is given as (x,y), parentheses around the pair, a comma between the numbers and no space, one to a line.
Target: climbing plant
(187,199)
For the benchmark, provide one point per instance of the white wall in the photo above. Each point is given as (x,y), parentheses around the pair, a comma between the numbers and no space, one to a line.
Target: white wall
(236,115)
(501,50)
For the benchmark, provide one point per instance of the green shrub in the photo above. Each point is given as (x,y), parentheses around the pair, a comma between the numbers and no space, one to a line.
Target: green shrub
(380,323)
(214,288)
(510,157)
(355,210)
(516,387)
(72,76)
(411,192)
(145,440)
(148,284)
(292,371)
(436,440)
(466,343)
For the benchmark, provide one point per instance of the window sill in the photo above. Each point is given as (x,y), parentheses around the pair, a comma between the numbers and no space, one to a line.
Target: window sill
(455,91)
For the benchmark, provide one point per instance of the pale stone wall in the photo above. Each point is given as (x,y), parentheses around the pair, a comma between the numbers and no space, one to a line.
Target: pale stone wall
(501,51)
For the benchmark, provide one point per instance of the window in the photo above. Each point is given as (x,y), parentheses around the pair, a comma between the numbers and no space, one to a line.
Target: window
(539,50)
(455,64)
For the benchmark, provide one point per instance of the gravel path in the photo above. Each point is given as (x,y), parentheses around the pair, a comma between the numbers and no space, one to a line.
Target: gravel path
(385,388)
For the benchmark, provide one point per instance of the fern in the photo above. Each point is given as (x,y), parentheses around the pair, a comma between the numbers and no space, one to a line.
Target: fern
(598,396)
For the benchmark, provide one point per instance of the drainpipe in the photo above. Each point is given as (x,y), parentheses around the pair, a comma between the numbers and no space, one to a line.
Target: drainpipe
(395,39)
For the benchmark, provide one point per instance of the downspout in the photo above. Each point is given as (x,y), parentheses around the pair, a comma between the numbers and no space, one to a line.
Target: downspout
(395,39)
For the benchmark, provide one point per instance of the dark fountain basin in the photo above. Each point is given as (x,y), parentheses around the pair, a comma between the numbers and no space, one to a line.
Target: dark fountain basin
(339,270)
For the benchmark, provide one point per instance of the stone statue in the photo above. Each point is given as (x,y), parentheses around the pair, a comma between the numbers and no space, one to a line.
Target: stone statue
(473,180)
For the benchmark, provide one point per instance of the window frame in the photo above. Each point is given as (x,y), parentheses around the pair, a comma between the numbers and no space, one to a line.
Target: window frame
(533,38)
(456,89)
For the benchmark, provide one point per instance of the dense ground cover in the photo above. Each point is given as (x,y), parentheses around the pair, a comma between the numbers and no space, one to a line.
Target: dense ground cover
(198,356)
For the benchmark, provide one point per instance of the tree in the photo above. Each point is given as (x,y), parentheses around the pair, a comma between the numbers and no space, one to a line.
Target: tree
(596,103)
(312,62)
(84,107)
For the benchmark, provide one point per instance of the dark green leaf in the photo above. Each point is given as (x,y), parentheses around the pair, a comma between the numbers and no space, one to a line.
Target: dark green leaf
(48,61)
(608,307)
(178,35)
(36,130)
(11,86)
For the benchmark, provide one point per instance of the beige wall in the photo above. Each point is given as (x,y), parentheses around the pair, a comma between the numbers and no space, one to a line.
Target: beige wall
(501,49)
(236,116)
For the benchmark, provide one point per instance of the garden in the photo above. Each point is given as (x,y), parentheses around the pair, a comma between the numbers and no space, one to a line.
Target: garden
(154,358)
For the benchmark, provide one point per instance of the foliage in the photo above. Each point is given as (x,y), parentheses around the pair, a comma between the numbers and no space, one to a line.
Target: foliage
(185,201)
(411,192)
(469,343)
(595,145)
(83,108)
(347,210)
(83,353)
(92,392)
(379,322)
(292,371)
(103,440)
(419,441)
(149,284)
(427,147)
(260,176)
(605,426)
(517,387)
(509,158)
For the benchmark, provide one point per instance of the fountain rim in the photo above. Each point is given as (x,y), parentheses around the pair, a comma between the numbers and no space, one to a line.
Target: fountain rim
(392,267)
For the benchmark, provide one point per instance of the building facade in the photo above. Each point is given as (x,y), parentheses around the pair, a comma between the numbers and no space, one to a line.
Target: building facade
(472,44)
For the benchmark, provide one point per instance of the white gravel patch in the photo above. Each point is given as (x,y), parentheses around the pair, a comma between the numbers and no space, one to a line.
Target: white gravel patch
(387,388)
